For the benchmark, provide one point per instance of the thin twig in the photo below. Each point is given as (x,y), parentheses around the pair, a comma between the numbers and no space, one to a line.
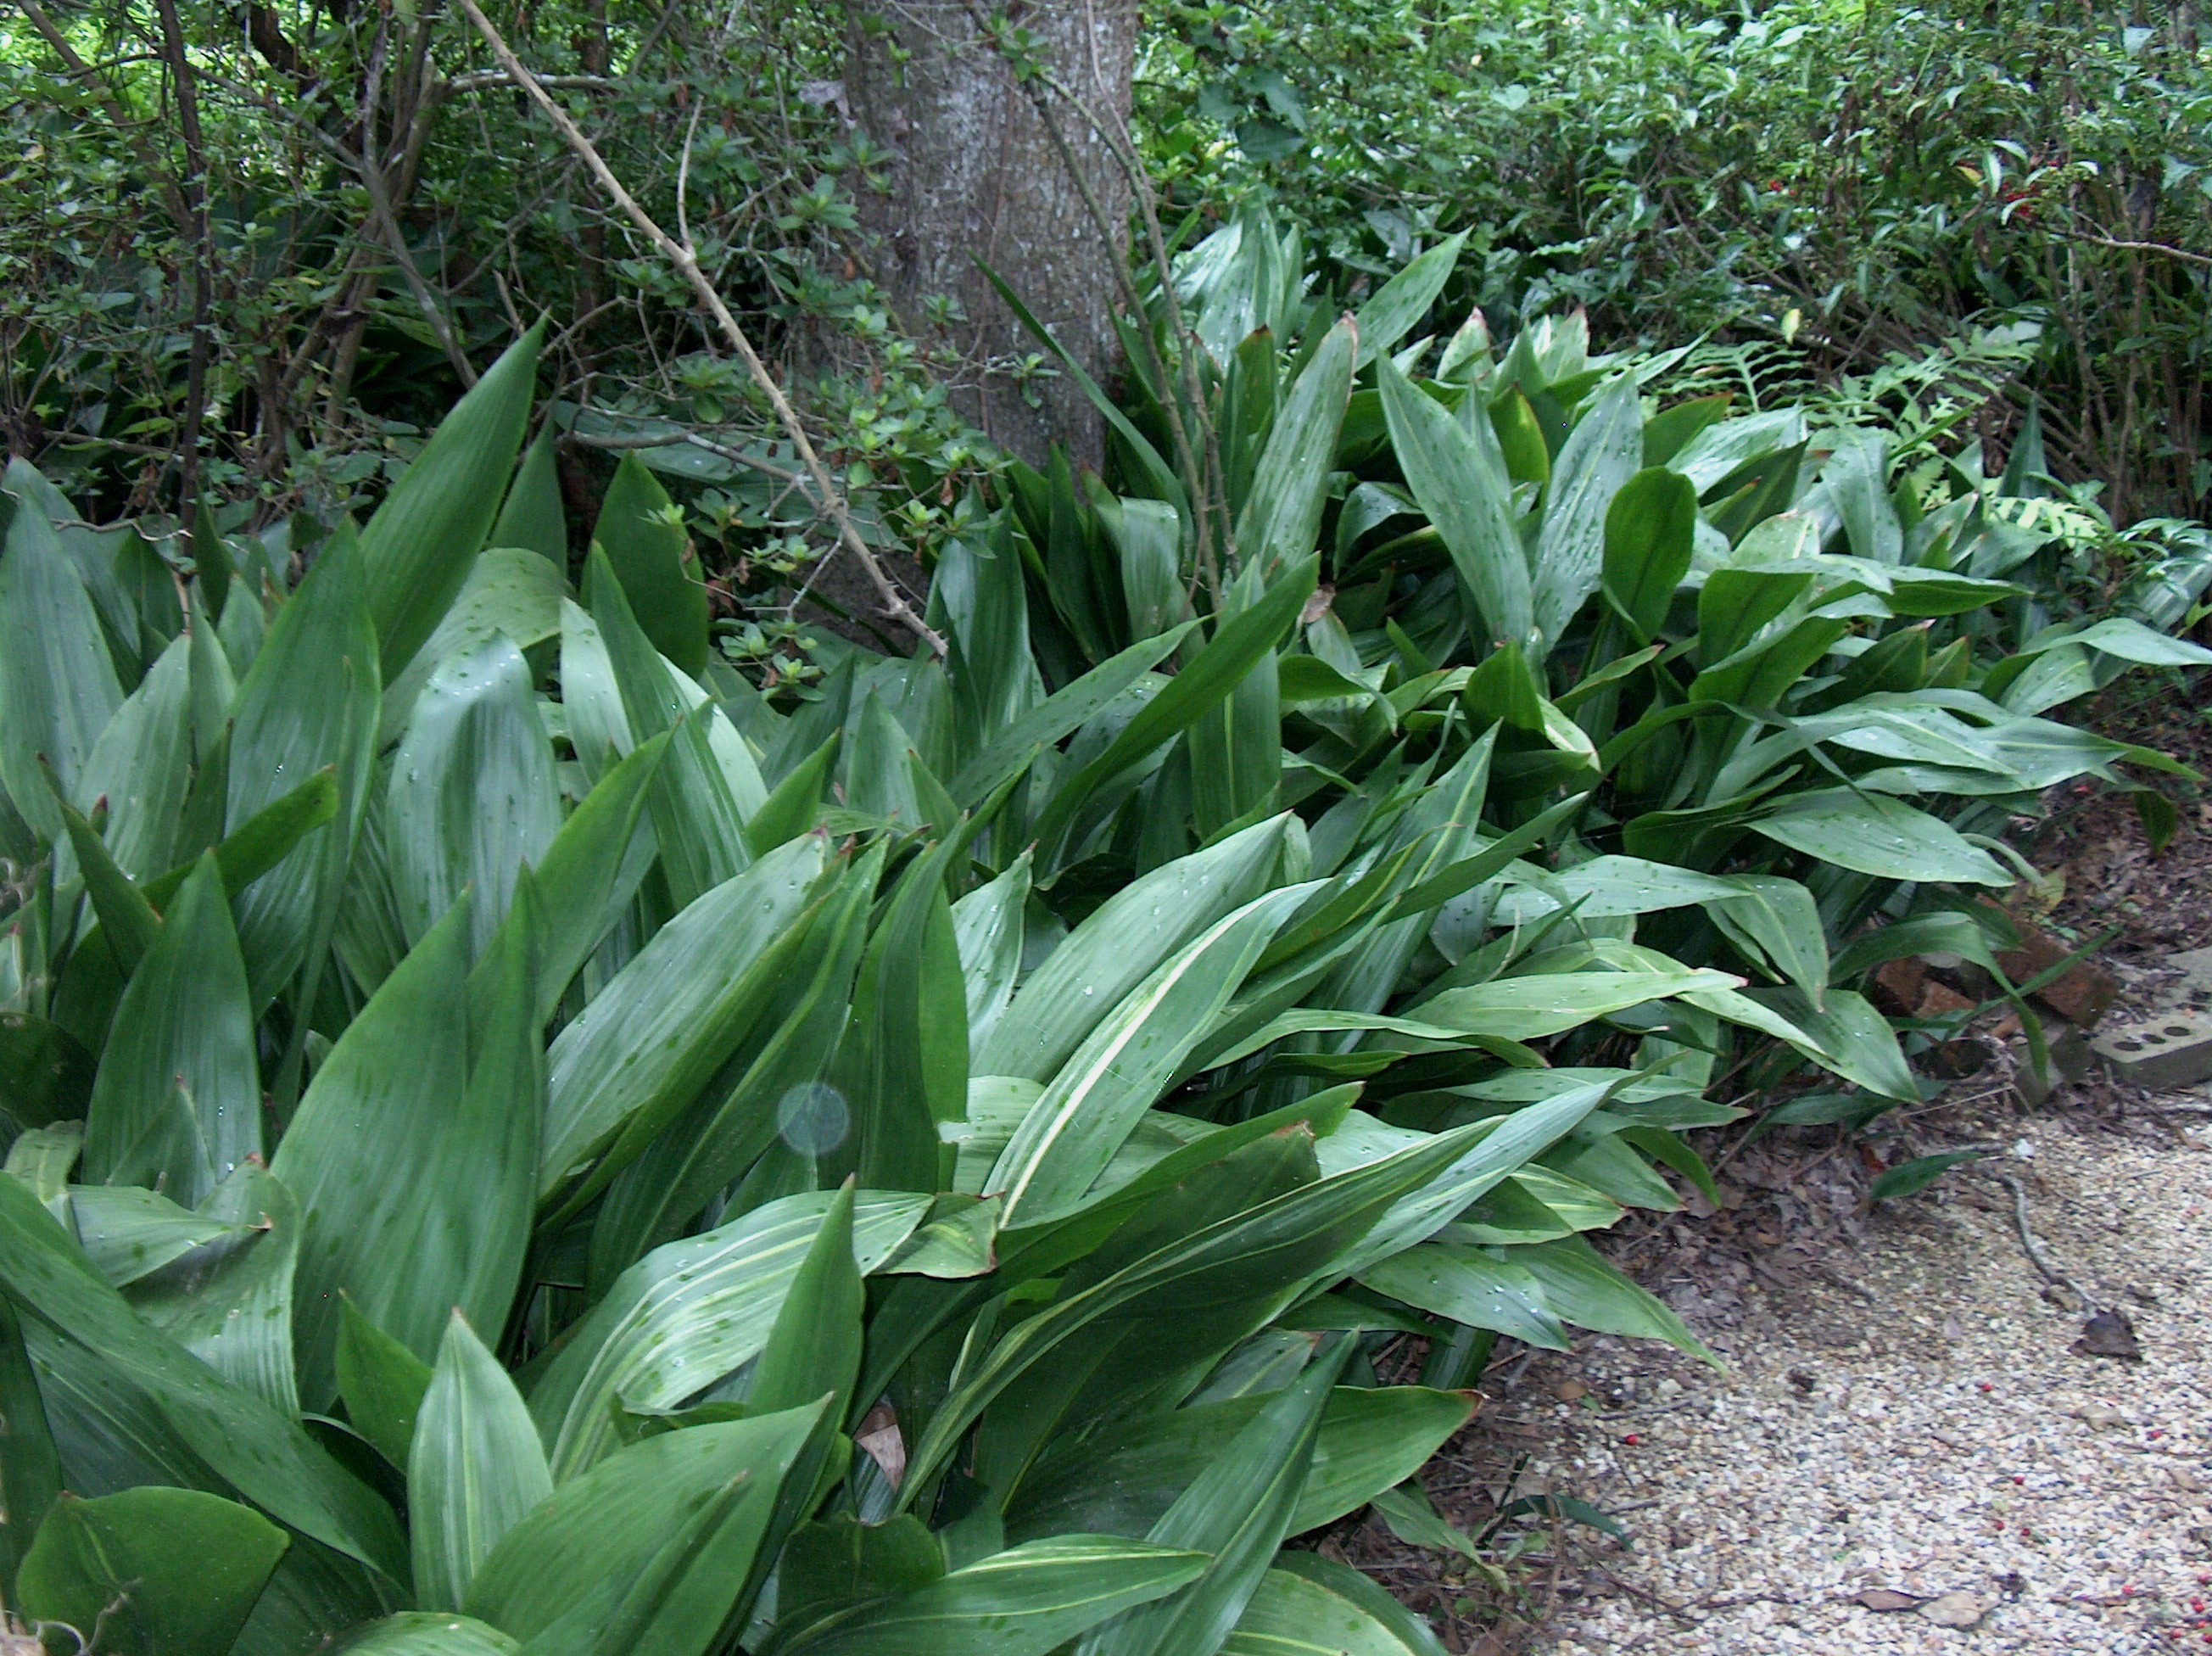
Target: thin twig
(201,233)
(2036,1257)
(2182,254)
(686,262)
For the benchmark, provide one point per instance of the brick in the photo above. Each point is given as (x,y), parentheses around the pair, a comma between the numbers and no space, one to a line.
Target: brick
(2172,1050)
(1897,983)
(2081,994)
(1941,1000)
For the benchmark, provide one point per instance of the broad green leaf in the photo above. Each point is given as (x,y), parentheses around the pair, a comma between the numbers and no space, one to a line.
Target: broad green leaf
(417,550)
(655,1515)
(590,871)
(511,593)
(229,1302)
(1600,455)
(1523,1008)
(45,1074)
(310,700)
(1120,944)
(691,1313)
(1909,1178)
(476,1467)
(427,1632)
(641,531)
(840,1563)
(1281,1239)
(430,1212)
(1844,1032)
(1393,309)
(1238,1509)
(128,1233)
(1235,750)
(814,1346)
(654,1036)
(127,920)
(1583,1289)
(1470,1286)
(1280,522)
(1242,642)
(531,516)
(472,798)
(158,1572)
(1370,1439)
(141,765)
(1782,922)
(988,929)
(1089,1106)
(1026,1601)
(265,1455)
(382,1383)
(1649,529)
(1291,1615)
(795,804)
(30,1469)
(1009,751)
(176,1104)
(1876,835)
(768,1096)
(41,1161)
(58,685)
(1460,480)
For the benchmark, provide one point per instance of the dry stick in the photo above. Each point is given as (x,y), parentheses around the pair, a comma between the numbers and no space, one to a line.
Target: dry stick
(687,264)
(2036,1257)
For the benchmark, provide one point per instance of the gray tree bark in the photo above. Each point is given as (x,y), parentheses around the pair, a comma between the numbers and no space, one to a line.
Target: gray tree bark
(976,174)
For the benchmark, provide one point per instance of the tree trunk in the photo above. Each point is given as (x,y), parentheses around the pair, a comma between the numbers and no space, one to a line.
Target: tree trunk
(976,174)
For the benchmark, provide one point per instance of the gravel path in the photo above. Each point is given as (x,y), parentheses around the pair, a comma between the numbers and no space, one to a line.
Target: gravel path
(1930,1433)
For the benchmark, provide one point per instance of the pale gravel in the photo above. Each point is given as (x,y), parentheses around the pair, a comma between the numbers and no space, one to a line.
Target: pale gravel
(1943,1446)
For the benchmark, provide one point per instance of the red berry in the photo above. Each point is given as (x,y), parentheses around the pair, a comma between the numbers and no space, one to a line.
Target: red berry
(1986,1386)
(1633,1439)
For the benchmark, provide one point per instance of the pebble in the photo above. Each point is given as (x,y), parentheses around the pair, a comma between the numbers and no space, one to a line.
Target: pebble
(1949,1447)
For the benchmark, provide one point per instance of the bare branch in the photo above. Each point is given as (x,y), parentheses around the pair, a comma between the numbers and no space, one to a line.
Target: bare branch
(686,262)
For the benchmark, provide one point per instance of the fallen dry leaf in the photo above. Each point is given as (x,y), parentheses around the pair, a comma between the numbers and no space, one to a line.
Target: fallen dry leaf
(2108,1334)
(1887,1599)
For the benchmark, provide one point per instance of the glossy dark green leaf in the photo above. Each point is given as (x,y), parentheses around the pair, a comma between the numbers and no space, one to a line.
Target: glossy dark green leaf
(30,1469)
(229,1302)
(1585,1290)
(158,1572)
(45,1074)
(1471,1288)
(693,1313)
(1600,454)
(416,552)
(531,516)
(590,871)
(795,804)
(177,1104)
(429,1212)
(426,1633)
(141,765)
(1238,1509)
(475,1470)
(1280,522)
(1242,643)
(651,1038)
(1459,478)
(1293,1615)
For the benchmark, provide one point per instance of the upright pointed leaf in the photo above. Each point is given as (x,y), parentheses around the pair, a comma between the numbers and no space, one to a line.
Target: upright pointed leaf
(1280,523)
(474,1471)
(472,797)
(814,1347)
(1602,452)
(382,1383)
(229,1302)
(310,700)
(1649,528)
(417,549)
(141,765)
(642,531)
(532,516)
(1460,480)
(58,684)
(177,1103)
(30,1469)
